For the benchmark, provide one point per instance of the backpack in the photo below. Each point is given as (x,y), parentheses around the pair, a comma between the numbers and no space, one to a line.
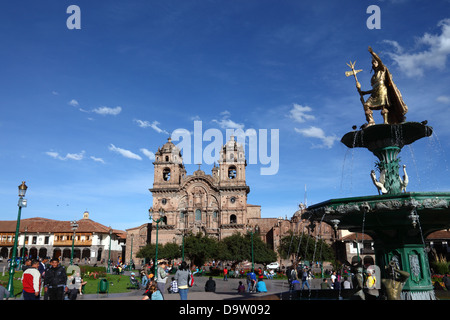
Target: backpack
(190,279)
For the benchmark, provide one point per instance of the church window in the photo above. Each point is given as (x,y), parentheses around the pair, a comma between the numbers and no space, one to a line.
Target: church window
(232,172)
(233,219)
(233,200)
(164,201)
(166,174)
(198,215)
(167,158)
(215,214)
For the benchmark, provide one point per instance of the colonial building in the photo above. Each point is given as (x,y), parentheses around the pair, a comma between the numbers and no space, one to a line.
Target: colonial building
(214,204)
(40,237)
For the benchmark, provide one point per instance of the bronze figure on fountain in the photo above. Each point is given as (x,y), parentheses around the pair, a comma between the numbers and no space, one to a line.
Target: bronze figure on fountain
(384,94)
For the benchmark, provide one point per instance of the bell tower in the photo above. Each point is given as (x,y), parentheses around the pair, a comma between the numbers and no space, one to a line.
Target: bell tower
(169,167)
(232,163)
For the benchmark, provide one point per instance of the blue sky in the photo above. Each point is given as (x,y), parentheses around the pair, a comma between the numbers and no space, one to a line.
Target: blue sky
(82,111)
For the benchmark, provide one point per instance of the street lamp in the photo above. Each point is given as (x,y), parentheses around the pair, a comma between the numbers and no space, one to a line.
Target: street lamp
(109,254)
(161,213)
(131,253)
(22,204)
(23,249)
(250,230)
(74,225)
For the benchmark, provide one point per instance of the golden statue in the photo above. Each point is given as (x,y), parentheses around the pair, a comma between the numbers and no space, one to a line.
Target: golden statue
(384,95)
(394,285)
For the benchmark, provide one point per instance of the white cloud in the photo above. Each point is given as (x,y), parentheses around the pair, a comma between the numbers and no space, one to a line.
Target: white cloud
(434,56)
(148,153)
(125,153)
(108,111)
(443,99)
(315,132)
(299,113)
(97,159)
(73,103)
(69,156)
(153,125)
(226,123)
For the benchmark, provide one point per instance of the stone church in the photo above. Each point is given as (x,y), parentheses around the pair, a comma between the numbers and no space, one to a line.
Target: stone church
(214,204)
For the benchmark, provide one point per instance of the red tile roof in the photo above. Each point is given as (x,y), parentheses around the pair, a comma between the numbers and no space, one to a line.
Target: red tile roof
(43,225)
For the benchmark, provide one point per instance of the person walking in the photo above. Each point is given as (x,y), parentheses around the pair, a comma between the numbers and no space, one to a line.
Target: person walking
(55,280)
(161,277)
(182,278)
(225,274)
(305,278)
(31,282)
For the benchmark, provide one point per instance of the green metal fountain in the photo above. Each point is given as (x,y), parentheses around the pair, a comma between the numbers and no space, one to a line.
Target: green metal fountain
(396,220)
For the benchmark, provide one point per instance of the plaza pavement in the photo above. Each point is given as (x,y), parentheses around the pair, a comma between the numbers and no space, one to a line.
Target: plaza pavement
(225,290)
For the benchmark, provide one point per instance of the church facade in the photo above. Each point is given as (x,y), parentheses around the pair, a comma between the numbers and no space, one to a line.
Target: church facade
(213,204)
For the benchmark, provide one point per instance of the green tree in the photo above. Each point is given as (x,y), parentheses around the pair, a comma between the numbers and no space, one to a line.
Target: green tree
(238,247)
(198,248)
(167,251)
(305,247)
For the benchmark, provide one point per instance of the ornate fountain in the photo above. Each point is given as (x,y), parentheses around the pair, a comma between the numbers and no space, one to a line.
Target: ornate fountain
(396,220)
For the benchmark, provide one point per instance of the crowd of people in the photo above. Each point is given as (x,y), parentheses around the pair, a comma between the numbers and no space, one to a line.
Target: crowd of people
(48,280)
(182,276)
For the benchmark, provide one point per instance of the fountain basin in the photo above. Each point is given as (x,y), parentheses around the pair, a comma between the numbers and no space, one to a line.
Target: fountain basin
(398,225)
(380,136)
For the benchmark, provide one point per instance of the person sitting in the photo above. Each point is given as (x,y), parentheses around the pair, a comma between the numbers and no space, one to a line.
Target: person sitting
(133,281)
(261,286)
(153,293)
(241,287)
(210,285)
(173,286)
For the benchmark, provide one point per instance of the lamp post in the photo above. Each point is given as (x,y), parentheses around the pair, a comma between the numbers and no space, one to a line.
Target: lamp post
(74,225)
(109,254)
(161,213)
(23,248)
(250,230)
(131,253)
(22,204)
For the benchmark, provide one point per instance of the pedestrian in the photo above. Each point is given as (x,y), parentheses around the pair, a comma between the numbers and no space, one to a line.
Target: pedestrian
(325,284)
(241,287)
(153,293)
(295,287)
(305,278)
(347,284)
(26,265)
(161,277)
(55,280)
(225,274)
(182,278)
(261,286)
(4,294)
(31,282)
(333,279)
(292,275)
(79,283)
(173,286)
(446,281)
(210,285)
(372,291)
(251,281)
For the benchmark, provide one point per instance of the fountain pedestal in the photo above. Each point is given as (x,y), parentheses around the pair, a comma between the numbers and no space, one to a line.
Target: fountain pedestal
(397,222)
